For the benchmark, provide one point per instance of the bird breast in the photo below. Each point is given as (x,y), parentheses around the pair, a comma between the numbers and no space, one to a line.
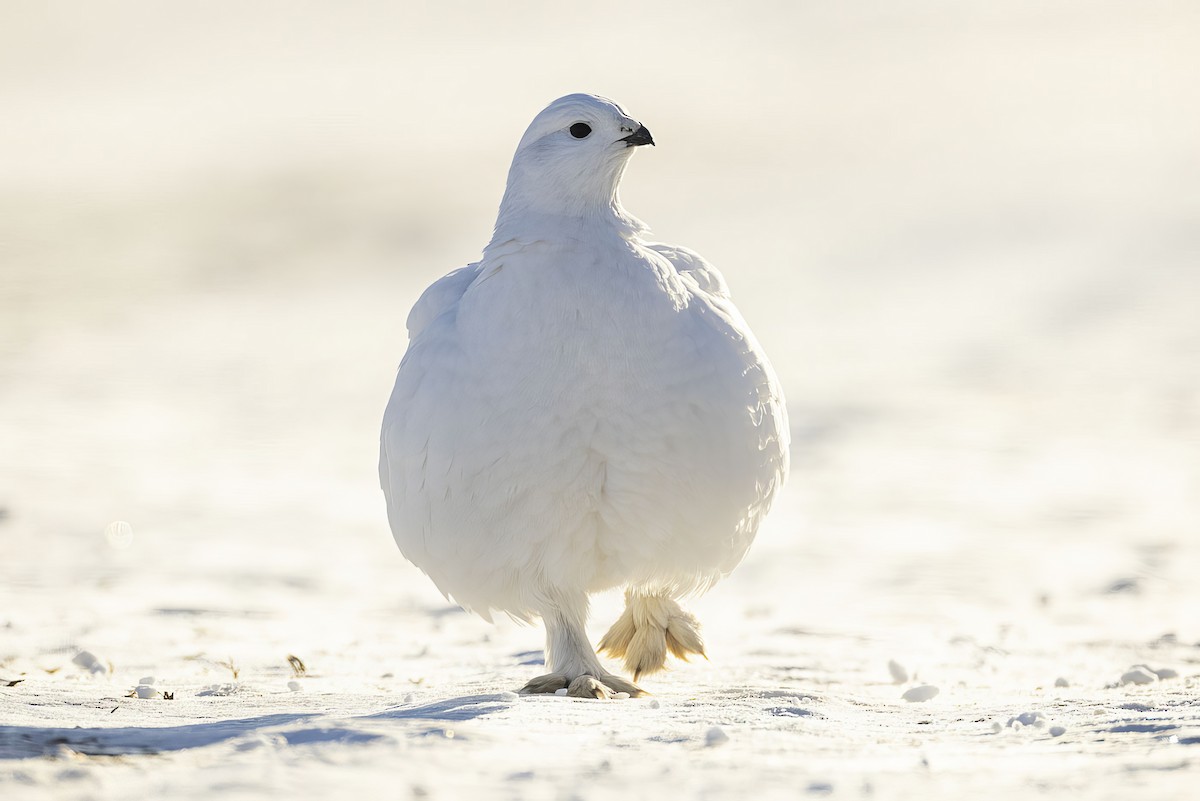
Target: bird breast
(584,415)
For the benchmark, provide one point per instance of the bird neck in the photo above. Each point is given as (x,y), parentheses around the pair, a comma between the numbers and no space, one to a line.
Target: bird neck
(529,225)
(539,207)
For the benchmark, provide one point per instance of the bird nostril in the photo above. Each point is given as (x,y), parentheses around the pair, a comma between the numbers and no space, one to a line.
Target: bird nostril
(639,137)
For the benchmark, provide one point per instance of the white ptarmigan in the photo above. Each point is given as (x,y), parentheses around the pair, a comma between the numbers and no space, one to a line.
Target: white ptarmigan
(581,410)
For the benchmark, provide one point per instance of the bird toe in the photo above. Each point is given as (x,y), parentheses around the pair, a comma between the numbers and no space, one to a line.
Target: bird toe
(549,683)
(588,687)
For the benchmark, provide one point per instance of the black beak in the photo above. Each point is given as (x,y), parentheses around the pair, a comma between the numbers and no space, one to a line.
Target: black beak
(639,137)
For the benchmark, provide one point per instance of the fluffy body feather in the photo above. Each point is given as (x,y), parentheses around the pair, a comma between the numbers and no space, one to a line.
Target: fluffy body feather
(579,410)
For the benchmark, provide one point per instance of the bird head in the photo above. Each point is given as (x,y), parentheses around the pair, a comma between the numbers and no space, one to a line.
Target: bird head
(571,158)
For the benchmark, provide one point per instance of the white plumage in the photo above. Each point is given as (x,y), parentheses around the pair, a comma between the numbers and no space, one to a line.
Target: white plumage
(581,410)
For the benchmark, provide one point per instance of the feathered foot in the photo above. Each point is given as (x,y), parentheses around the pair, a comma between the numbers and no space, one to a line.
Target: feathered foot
(649,628)
(570,657)
(603,685)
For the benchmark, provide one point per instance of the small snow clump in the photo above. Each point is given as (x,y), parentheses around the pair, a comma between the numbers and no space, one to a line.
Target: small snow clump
(1138,675)
(920,694)
(219,689)
(88,661)
(1030,720)
(715,736)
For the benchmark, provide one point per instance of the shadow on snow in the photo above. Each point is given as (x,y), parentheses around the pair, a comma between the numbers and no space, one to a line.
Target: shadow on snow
(23,742)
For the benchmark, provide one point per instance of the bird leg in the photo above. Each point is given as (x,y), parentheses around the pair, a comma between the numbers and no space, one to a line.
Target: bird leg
(650,626)
(572,661)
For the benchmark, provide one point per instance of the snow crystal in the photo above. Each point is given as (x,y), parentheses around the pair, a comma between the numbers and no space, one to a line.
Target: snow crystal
(1061,682)
(1057,731)
(1165,673)
(146,680)
(898,671)
(561,691)
(654,704)
(508,695)
(294,686)
(145,691)
(920,693)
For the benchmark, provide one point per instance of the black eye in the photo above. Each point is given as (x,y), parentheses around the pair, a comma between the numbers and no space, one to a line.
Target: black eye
(580,130)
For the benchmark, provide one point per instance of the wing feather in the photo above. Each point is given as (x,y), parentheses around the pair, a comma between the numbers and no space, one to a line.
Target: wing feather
(765,402)
(690,264)
(442,295)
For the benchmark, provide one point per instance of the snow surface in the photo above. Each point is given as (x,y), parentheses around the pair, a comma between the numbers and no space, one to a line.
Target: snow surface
(975,240)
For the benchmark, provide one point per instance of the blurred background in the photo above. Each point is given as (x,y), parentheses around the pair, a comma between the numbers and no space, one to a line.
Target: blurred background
(967,233)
